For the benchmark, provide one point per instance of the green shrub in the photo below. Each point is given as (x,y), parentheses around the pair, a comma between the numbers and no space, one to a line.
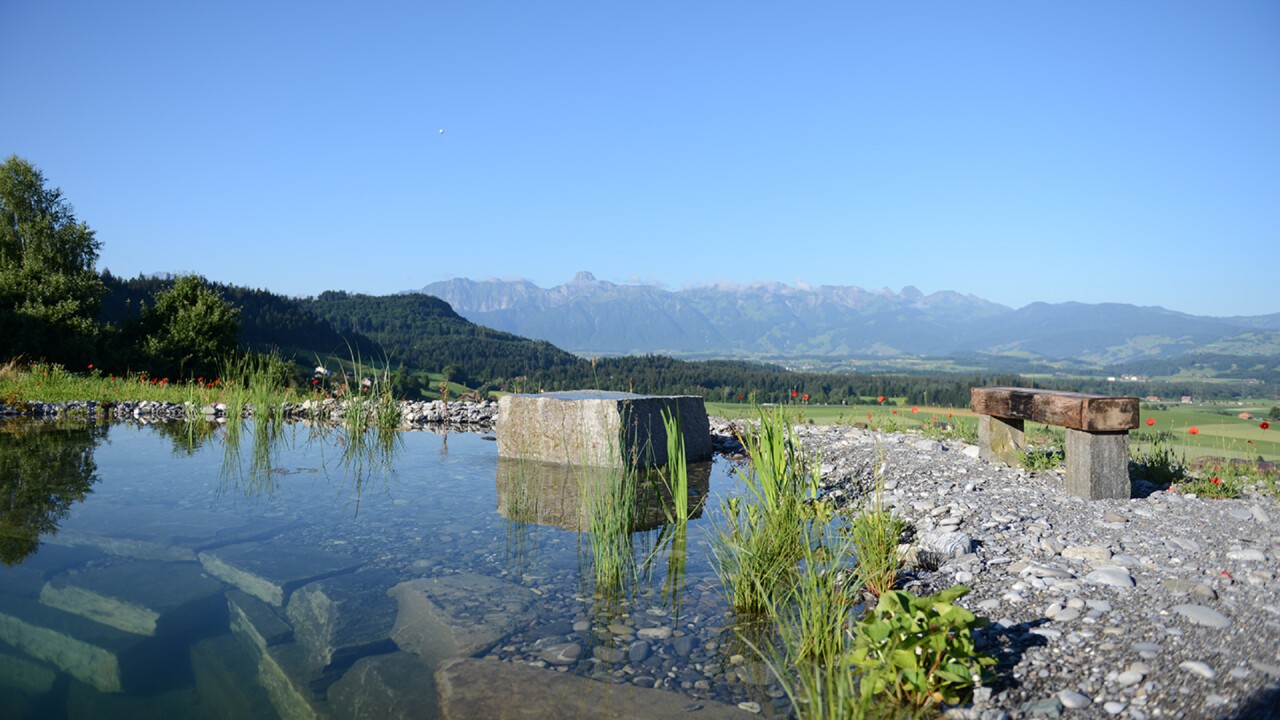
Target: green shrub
(919,651)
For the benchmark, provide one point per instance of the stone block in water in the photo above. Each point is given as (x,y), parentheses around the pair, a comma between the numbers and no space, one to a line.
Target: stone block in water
(344,618)
(270,571)
(592,427)
(141,597)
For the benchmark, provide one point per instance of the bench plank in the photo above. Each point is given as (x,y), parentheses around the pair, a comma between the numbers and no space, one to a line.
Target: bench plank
(1077,411)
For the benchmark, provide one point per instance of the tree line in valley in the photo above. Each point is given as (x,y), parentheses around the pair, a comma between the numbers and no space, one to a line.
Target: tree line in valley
(55,306)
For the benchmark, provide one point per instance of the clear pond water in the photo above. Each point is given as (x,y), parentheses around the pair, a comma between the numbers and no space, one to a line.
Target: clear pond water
(152,573)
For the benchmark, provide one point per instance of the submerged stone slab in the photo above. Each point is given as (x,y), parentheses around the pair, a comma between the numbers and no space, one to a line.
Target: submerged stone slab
(151,533)
(23,674)
(87,703)
(142,597)
(109,659)
(344,618)
(270,571)
(226,673)
(593,427)
(28,579)
(472,689)
(261,623)
(284,673)
(457,615)
(398,686)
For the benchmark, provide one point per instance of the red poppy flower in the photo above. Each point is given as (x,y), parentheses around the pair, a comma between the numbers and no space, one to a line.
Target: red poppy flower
(1264,425)
(868,416)
(1151,421)
(880,399)
(805,397)
(895,412)
(1193,431)
(1216,481)
(948,416)
(914,409)
(794,393)
(90,366)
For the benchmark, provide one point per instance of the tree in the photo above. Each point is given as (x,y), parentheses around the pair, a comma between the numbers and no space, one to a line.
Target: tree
(189,329)
(49,291)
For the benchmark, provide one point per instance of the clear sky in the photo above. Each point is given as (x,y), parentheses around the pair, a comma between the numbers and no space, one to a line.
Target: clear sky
(1020,151)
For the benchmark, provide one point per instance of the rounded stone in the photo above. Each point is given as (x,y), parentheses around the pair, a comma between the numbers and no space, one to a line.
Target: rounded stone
(1199,668)
(1072,699)
(1202,615)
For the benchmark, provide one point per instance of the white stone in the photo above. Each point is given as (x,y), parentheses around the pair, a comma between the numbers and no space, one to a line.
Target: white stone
(1202,615)
(1199,668)
(1115,576)
(1247,555)
(1072,699)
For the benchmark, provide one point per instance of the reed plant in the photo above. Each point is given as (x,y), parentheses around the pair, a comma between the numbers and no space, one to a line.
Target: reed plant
(873,535)
(756,553)
(608,496)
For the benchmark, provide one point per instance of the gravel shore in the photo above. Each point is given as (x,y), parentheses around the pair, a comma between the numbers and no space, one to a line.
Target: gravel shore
(1162,606)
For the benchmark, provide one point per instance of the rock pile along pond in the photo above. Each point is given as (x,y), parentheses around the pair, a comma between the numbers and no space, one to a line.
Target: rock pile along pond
(1164,605)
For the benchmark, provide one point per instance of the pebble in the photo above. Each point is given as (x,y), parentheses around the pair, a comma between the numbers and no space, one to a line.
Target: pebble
(1198,668)
(1114,576)
(1072,700)
(1202,615)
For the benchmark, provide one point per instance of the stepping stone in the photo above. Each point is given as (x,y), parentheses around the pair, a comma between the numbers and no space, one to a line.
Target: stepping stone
(141,597)
(457,615)
(104,657)
(344,618)
(152,533)
(270,572)
(472,689)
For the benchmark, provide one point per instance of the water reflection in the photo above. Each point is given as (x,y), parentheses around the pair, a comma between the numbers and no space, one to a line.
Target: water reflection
(45,469)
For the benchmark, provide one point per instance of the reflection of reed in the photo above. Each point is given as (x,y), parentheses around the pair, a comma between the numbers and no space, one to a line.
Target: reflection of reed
(519,506)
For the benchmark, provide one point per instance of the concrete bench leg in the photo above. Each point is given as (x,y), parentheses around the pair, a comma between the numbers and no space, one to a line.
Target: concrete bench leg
(1098,464)
(1000,440)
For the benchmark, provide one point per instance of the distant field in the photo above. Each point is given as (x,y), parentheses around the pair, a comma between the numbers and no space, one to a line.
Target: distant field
(1219,431)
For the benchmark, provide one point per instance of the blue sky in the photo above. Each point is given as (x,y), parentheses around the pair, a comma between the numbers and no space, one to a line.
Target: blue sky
(1053,151)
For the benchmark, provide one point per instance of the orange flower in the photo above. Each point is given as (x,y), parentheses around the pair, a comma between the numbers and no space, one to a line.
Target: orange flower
(1193,431)
(806,397)
(880,399)
(794,393)
(895,412)
(1151,421)
(868,416)
(948,416)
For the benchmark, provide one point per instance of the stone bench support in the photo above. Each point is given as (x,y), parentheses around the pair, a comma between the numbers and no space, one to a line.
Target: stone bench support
(1097,448)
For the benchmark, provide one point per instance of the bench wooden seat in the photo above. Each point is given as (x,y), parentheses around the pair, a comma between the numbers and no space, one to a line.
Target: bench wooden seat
(1097,451)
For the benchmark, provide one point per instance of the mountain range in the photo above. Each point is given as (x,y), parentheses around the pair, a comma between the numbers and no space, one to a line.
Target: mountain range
(589,317)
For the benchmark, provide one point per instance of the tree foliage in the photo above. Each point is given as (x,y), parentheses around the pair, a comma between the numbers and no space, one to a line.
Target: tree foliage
(49,291)
(189,329)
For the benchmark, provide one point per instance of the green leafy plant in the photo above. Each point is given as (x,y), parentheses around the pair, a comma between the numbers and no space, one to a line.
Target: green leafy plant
(919,651)
(1158,464)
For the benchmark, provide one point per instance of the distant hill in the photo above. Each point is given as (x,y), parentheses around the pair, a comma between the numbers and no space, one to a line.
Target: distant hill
(588,316)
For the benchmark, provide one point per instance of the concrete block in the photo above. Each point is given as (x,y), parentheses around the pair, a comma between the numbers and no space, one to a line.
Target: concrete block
(1098,464)
(593,427)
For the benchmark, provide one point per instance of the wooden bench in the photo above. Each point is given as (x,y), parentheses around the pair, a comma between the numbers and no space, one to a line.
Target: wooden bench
(1097,452)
